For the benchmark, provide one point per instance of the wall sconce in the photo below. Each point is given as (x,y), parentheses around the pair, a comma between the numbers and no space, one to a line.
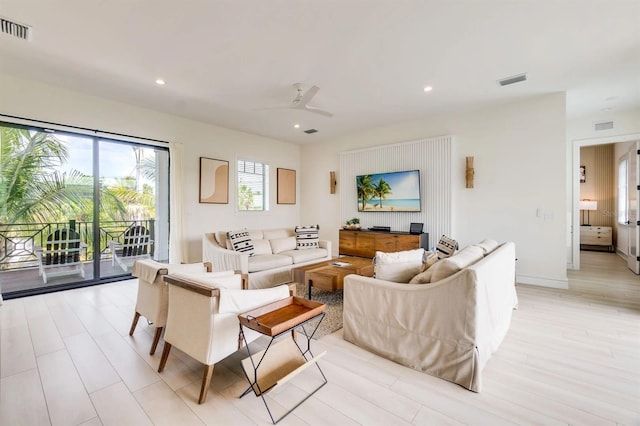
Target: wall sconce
(470,172)
(332,182)
(589,206)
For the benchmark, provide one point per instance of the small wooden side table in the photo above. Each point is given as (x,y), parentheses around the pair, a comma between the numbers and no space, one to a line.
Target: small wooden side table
(284,359)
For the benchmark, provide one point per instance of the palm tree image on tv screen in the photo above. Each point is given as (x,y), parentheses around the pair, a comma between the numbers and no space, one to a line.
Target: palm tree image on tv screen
(389,192)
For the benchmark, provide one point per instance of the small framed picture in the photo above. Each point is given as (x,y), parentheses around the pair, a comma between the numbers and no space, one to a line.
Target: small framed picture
(583,174)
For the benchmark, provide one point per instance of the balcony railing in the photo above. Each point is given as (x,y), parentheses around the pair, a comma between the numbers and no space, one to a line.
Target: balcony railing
(18,241)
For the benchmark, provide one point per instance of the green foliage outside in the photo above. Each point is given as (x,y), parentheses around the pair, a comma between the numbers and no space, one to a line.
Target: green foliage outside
(34,190)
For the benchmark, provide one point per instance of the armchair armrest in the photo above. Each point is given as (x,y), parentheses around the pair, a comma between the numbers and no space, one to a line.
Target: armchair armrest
(222,258)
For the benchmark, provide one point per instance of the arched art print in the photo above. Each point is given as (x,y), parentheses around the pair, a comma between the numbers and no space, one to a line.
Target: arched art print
(214,181)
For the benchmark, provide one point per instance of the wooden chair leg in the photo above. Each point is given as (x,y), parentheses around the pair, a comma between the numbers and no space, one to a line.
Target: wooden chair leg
(156,339)
(206,381)
(165,355)
(136,317)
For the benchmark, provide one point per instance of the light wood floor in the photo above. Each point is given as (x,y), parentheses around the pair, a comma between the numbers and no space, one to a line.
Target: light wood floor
(570,357)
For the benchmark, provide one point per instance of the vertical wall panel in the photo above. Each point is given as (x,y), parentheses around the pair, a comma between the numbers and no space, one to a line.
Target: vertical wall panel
(431,156)
(600,183)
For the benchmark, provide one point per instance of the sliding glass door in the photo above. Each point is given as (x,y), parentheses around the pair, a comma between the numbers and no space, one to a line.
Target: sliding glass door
(79,209)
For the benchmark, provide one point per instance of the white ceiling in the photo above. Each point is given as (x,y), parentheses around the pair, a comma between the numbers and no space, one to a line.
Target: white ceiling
(224,60)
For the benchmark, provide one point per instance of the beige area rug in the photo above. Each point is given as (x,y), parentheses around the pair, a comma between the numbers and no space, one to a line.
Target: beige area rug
(333,312)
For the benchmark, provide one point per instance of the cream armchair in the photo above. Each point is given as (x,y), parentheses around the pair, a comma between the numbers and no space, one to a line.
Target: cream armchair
(153,293)
(203,317)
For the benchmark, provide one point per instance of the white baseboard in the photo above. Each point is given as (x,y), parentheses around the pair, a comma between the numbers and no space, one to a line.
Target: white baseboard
(543,282)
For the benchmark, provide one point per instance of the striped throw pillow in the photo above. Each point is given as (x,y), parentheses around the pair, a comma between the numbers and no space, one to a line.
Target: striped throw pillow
(307,237)
(446,247)
(241,241)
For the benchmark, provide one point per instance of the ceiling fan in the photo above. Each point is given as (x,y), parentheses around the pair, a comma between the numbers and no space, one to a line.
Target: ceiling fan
(302,100)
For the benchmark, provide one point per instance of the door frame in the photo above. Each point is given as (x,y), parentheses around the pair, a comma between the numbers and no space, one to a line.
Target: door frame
(574,228)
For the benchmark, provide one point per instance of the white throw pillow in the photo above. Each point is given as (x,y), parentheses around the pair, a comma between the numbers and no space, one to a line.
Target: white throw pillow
(241,241)
(398,266)
(238,301)
(261,247)
(279,245)
(428,260)
(449,266)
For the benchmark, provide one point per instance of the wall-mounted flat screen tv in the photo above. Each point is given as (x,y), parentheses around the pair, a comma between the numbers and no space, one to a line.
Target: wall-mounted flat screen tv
(389,192)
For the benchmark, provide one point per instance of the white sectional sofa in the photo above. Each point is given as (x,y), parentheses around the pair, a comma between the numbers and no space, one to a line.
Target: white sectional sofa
(275,255)
(448,328)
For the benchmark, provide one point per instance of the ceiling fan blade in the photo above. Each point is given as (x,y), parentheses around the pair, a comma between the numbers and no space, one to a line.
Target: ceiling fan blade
(318,111)
(308,95)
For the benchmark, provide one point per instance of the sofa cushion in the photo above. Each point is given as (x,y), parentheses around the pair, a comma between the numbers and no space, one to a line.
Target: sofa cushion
(449,266)
(261,247)
(268,261)
(446,247)
(241,241)
(256,234)
(300,256)
(279,245)
(307,237)
(487,246)
(272,234)
(423,277)
(398,266)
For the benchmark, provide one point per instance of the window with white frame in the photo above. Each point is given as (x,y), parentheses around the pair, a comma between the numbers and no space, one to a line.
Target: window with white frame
(253,184)
(623,216)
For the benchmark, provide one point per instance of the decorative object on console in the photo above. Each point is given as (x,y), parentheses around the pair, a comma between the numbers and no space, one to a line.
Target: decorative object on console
(286,186)
(470,173)
(241,241)
(588,205)
(307,237)
(332,182)
(446,247)
(416,228)
(214,181)
(353,224)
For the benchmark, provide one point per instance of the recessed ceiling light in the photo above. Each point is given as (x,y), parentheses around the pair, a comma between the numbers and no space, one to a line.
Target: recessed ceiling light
(428,88)
(297,126)
(160,82)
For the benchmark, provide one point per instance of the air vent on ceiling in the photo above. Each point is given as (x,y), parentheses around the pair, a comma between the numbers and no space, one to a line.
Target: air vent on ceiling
(14,29)
(309,131)
(604,125)
(513,79)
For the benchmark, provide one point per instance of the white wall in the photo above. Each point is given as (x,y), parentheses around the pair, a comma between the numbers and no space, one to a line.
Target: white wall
(520,161)
(43,102)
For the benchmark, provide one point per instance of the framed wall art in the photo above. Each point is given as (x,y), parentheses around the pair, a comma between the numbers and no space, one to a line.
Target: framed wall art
(583,174)
(286,186)
(214,181)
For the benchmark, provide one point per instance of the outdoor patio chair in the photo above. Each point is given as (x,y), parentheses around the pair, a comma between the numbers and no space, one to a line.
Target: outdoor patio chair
(136,245)
(61,254)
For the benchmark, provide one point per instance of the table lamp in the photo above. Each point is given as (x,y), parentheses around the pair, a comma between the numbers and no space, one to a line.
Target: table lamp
(587,205)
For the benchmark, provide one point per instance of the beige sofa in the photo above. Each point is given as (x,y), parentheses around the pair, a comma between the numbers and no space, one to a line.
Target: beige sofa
(448,328)
(274,255)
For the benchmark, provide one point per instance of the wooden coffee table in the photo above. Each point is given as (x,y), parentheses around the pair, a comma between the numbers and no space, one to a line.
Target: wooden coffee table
(328,276)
